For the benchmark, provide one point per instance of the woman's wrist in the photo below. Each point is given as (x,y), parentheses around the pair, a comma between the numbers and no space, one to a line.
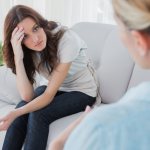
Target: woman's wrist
(19,111)
(18,61)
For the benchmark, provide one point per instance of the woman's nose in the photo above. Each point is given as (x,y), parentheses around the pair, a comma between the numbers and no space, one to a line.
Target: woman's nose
(35,38)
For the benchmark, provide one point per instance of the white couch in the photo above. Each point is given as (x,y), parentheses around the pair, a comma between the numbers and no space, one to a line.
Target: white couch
(115,69)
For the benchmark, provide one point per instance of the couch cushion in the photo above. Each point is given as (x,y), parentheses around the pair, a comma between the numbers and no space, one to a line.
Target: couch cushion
(59,125)
(112,61)
(115,70)
(2,104)
(8,89)
(95,35)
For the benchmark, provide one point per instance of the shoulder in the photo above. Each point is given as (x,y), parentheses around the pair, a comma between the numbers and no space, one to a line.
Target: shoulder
(133,103)
(108,124)
(120,120)
(70,46)
(70,36)
(130,106)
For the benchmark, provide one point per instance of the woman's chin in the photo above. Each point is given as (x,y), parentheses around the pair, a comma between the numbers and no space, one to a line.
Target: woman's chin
(39,49)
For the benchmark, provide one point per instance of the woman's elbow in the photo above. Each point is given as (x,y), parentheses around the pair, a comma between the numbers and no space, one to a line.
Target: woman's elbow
(26,97)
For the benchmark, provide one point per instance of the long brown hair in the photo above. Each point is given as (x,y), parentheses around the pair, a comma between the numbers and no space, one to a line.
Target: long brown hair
(48,56)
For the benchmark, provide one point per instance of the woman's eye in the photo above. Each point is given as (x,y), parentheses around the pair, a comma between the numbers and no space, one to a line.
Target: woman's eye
(36,28)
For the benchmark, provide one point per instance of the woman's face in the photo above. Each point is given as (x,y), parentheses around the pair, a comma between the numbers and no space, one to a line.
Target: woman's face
(133,45)
(34,36)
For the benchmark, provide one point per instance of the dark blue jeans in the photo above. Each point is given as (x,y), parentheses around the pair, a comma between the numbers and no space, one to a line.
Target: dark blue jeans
(32,129)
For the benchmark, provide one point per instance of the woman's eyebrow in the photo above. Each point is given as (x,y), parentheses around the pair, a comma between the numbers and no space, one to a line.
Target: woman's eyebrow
(34,25)
(31,28)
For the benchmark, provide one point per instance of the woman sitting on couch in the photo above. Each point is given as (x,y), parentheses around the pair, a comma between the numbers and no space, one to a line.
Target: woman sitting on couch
(126,124)
(31,43)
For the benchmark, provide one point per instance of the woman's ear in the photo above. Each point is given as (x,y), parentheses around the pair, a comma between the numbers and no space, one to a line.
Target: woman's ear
(142,42)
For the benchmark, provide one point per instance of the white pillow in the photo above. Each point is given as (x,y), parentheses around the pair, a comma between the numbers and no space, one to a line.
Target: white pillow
(8,88)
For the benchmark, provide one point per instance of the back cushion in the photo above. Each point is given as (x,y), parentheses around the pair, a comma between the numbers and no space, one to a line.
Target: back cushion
(115,70)
(94,34)
(112,61)
(8,88)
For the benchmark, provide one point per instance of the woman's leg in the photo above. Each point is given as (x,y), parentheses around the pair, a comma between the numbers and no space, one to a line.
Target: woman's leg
(16,133)
(62,105)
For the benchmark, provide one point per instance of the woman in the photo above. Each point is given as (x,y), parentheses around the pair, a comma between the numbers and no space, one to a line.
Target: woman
(124,125)
(33,44)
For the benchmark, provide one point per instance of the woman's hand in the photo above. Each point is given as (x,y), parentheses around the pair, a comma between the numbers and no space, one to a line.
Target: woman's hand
(16,40)
(8,119)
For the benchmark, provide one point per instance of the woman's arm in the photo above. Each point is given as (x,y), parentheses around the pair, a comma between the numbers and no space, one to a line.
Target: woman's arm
(59,142)
(24,86)
(57,77)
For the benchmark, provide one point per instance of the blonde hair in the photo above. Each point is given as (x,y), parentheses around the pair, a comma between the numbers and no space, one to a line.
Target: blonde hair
(135,14)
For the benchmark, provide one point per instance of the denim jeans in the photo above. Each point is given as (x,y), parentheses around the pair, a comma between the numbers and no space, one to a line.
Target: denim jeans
(32,129)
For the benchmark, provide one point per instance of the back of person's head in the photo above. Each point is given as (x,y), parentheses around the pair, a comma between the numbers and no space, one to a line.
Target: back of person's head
(135,14)
(133,19)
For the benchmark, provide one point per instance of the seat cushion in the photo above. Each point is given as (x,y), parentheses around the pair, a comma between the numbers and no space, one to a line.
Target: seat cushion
(59,125)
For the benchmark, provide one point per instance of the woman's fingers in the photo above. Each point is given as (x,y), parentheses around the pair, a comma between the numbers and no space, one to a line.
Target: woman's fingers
(21,38)
(14,32)
(3,118)
(3,126)
(88,108)
(17,33)
(16,40)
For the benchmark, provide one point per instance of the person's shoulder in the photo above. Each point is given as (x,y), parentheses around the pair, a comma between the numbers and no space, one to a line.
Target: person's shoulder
(70,34)
(71,38)
(114,122)
(109,114)
(143,89)
(117,113)
(141,92)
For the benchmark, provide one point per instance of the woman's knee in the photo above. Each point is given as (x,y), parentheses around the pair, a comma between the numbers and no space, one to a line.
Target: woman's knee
(39,90)
(21,119)
(39,116)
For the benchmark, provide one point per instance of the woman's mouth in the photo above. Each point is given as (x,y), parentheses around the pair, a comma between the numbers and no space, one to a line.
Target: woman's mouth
(39,43)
